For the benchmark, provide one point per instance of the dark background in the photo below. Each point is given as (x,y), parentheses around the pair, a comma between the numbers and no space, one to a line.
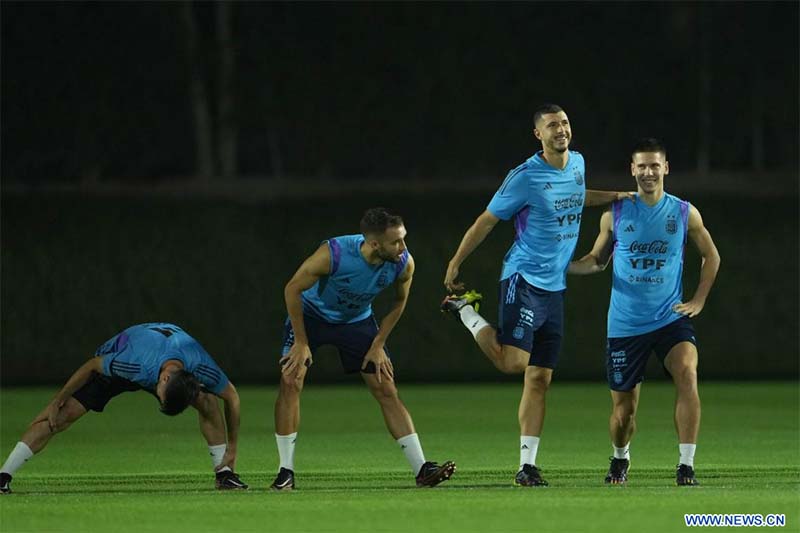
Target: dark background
(177,161)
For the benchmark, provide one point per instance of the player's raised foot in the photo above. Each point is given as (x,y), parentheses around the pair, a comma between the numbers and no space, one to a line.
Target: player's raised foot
(5,483)
(454,303)
(618,471)
(284,481)
(431,474)
(530,476)
(229,480)
(684,476)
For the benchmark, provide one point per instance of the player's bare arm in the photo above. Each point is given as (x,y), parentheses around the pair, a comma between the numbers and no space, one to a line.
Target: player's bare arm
(230,398)
(598,258)
(595,198)
(75,382)
(709,264)
(312,269)
(472,238)
(377,353)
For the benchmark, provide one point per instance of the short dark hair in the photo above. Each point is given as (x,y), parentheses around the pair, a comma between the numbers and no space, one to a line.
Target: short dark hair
(545,109)
(181,391)
(376,220)
(649,144)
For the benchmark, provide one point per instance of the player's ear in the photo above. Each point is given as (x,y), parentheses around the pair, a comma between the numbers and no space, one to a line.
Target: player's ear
(666,167)
(537,134)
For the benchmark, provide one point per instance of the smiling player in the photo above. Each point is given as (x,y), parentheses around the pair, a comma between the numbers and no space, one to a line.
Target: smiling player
(647,311)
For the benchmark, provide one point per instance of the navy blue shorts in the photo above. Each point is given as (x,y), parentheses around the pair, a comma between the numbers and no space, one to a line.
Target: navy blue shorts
(352,340)
(626,357)
(531,319)
(99,389)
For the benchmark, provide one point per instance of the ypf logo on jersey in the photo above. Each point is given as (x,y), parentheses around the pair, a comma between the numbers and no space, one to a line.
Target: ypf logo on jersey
(672,225)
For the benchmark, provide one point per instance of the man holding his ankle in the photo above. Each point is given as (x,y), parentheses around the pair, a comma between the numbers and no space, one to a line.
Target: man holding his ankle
(545,196)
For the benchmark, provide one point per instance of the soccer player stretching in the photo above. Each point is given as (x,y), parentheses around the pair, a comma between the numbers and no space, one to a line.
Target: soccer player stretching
(165,361)
(545,195)
(647,312)
(329,301)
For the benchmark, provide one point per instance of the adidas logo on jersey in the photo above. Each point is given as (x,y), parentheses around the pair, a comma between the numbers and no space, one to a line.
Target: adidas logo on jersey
(630,228)
(548,186)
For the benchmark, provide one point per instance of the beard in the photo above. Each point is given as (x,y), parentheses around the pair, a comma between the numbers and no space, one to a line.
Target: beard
(386,256)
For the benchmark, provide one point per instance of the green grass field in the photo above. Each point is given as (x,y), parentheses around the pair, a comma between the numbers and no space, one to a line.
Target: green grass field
(133,469)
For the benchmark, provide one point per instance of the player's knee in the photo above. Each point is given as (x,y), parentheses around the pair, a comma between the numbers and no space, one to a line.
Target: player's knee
(61,424)
(625,414)
(205,402)
(539,381)
(385,393)
(684,373)
(291,384)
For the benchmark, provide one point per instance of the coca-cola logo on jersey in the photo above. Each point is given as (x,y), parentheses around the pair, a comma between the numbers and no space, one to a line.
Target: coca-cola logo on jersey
(568,202)
(653,247)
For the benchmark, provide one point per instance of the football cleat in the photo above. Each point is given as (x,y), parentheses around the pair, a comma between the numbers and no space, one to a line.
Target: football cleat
(229,480)
(284,481)
(618,471)
(684,476)
(454,303)
(431,474)
(530,476)
(5,483)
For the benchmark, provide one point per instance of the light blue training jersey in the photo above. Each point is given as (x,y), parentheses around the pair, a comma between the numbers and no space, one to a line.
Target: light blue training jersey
(649,244)
(345,295)
(546,204)
(138,353)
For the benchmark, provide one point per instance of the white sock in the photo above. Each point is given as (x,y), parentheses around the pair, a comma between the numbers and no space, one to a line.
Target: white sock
(17,458)
(622,453)
(687,454)
(472,320)
(528,446)
(413,450)
(286,449)
(217,453)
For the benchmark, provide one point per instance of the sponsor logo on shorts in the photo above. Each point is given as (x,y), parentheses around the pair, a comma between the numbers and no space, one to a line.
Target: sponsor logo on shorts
(526,316)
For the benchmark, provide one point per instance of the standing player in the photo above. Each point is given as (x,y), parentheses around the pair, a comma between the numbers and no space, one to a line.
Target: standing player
(647,313)
(165,361)
(329,300)
(545,195)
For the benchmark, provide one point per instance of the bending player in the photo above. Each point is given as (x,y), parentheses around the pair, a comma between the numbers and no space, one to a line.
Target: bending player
(329,301)
(165,361)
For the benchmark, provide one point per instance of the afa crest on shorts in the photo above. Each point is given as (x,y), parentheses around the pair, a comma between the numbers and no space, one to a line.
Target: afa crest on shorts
(672,225)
